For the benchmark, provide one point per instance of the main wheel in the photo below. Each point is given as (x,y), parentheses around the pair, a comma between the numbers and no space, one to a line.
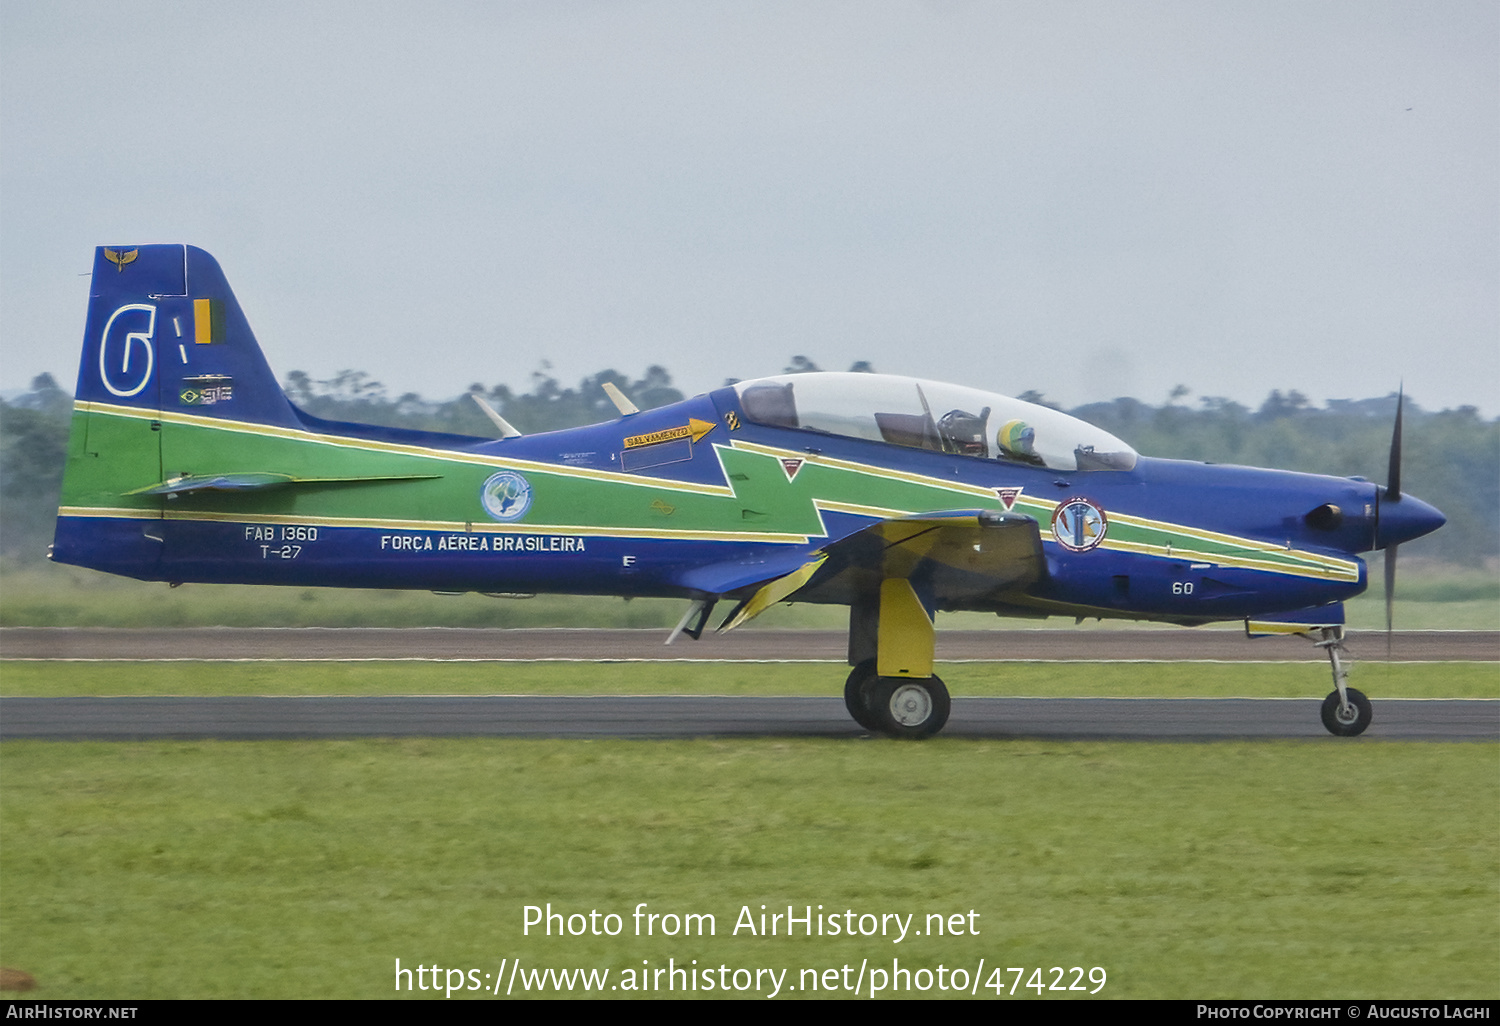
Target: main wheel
(856,691)
(909,707)
(1346,722)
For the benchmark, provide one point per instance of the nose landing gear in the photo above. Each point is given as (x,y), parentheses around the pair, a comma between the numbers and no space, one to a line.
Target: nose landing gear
(1346,711)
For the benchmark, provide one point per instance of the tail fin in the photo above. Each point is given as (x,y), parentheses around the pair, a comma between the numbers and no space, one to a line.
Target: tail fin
(166,353)
(165,332)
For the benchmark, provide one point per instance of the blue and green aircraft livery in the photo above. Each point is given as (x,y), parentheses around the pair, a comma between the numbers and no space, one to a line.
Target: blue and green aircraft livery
(894,496)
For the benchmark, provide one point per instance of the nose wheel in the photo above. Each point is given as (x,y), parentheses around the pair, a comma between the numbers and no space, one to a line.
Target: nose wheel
(1346,718)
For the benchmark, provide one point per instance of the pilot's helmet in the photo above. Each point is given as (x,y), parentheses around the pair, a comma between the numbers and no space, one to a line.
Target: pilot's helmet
(1016,438)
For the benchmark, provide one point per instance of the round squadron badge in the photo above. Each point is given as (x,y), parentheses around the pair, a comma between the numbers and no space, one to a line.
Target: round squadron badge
(1078,524)
(506,496)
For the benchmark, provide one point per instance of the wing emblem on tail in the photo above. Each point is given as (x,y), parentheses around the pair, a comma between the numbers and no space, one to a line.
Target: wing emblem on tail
(121,257)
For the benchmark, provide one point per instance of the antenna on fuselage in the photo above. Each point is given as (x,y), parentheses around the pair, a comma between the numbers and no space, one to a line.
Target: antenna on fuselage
(625,406)
(506,431)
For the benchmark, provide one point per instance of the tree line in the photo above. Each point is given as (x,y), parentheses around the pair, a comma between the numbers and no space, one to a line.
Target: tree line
(1451,457)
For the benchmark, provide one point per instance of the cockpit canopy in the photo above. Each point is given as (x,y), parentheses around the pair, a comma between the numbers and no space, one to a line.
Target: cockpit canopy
(934,416)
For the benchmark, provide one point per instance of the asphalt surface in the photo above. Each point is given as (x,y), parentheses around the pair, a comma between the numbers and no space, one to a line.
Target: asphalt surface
(670,716)
(270,717)
(435,643)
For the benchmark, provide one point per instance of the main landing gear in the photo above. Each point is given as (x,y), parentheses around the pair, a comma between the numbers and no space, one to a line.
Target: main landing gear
(892,689)
(1346,711)
(900,707)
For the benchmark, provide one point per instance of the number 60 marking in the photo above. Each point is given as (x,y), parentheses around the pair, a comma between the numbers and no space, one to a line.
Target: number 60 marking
(1182,587)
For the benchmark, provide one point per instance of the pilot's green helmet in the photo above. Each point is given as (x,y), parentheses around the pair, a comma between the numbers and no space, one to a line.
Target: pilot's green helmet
(1016,436)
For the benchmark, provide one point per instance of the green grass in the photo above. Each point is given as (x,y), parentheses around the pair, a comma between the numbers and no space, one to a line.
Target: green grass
(1438,583)
(60,596)
(1431,596)
(305,869)
(1166,680)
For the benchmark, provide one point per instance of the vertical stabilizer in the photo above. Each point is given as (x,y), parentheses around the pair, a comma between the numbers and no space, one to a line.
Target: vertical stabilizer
(167,354)
(165,332)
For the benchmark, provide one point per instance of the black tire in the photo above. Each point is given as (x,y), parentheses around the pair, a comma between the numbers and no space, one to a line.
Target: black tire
(909,707)
(856,692)
(1341,723)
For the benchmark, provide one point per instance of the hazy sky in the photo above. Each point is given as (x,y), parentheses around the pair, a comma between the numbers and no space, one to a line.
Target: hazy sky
(1089,199)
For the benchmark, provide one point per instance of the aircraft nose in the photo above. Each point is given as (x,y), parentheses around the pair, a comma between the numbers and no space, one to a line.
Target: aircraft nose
(1404,519)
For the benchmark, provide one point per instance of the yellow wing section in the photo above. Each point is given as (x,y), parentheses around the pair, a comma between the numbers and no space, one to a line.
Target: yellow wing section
(960,558)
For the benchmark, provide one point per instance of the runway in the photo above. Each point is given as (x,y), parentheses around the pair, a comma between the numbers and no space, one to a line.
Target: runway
(663,716)
(673,716)
(439,643)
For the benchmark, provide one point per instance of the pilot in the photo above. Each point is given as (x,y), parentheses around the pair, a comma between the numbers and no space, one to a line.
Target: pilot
(1017,441)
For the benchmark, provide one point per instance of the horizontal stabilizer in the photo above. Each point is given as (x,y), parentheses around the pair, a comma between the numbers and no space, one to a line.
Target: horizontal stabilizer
(255,482)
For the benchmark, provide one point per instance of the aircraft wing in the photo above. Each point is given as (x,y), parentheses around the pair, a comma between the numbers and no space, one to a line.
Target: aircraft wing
(955,558)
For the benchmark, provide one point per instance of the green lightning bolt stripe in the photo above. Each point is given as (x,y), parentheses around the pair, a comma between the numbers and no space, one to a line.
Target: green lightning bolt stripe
(1126,533)
(883,473)
(370,445)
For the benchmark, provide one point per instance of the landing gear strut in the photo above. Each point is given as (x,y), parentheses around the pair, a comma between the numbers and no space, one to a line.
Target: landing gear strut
(1346,711)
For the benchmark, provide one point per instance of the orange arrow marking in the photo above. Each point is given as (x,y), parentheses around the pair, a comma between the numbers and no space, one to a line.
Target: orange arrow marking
(694,429)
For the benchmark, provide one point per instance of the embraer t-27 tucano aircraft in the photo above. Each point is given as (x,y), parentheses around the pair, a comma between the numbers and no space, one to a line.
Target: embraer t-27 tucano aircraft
(893,496)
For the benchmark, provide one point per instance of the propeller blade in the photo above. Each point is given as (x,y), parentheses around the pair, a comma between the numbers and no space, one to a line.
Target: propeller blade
(1393,475)
(1393,495)
(1390,596)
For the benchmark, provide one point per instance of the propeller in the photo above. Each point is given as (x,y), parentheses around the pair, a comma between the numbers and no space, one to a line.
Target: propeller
(1393,495)
(1393,475)
(1399,518)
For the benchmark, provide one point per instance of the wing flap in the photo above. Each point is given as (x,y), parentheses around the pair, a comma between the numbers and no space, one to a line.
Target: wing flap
(773,592)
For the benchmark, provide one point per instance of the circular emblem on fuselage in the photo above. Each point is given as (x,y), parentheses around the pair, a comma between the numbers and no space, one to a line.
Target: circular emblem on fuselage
(1078,524)
(506,496)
